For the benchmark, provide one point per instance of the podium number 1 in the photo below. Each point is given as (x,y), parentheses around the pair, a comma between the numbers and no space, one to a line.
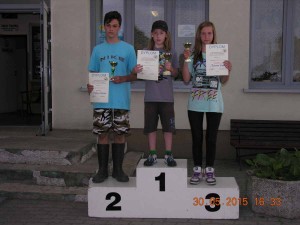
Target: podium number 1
(162,181)
(116,197)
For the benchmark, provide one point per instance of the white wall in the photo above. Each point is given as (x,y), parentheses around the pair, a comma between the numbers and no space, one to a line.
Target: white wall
(71,52)
(70,57)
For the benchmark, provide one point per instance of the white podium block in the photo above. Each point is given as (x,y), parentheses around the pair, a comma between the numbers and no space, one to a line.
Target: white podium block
(162,187)
(160,191)
(112,198)
(160,178)
(220,201)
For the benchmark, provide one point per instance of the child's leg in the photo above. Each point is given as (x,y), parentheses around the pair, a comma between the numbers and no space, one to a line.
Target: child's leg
(168,137)
(150,127)
(167,117)
(213,122)
(152,141)
(196,123)
(169,160)
(101,129)
(152,158)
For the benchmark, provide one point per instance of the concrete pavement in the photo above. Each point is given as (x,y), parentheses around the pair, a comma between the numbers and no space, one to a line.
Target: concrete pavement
(40,212)
(45,212)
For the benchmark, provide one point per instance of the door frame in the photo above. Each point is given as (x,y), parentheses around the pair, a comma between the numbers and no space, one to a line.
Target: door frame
(45,64)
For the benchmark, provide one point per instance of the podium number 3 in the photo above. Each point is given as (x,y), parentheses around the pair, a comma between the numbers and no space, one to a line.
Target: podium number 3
(112,206)
(162,181)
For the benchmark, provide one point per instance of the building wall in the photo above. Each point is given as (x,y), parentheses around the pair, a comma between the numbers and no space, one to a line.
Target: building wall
(70,56)
(71,52)
(233,27)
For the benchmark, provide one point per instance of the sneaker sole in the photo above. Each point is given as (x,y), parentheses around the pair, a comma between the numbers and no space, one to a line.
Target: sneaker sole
(211,183)
(194,183)
(171,165)
(175,164)
(151,164)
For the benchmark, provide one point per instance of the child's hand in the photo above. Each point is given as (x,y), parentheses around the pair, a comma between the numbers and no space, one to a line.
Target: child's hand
(118,79)
(168,66)
(228,65)
(186,53)
(137,69)
(90,88)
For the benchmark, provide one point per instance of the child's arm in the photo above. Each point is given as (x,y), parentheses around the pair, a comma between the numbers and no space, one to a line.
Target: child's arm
(131,77)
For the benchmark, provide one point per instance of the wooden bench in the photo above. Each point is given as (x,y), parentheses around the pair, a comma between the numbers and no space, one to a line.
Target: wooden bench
(250,137)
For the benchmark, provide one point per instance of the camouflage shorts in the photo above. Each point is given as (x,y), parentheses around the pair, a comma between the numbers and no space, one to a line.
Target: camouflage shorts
(106,120)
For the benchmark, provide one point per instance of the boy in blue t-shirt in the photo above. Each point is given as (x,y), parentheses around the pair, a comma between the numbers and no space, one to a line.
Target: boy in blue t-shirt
(113,115)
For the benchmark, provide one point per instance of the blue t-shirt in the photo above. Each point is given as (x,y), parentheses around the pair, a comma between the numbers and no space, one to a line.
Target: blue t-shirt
(124,54)
(205,94)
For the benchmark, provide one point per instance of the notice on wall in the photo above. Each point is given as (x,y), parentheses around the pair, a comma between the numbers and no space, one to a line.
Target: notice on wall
(187,30)
(9,27)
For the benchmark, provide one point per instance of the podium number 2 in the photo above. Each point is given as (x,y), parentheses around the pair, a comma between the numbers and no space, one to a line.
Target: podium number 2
(112,206)
(162,181)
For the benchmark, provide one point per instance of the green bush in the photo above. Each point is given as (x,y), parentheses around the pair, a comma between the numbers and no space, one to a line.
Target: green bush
(284,165)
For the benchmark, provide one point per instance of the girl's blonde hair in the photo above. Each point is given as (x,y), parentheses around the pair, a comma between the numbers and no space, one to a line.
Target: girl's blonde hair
(167,43)
(197,51)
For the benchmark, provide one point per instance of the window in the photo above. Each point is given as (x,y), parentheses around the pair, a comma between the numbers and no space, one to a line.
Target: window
(146,12)
(183,18)
(98,10)
(275,44)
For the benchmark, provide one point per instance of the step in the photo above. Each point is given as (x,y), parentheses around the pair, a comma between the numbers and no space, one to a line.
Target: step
(29,191)
(59,175)
(163,192)
(42,150)
(52,175)
(67,182)
(58,147)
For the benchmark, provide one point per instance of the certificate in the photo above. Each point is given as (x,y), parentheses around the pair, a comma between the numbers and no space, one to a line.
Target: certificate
(149,61)
(216,54)
(100,81)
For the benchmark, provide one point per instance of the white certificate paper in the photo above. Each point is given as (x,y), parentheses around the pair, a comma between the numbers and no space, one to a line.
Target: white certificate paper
(216,54)
(150,62)
(100,81)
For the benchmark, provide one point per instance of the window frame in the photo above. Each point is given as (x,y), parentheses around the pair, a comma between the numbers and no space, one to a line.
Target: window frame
(169,8)
(287,53)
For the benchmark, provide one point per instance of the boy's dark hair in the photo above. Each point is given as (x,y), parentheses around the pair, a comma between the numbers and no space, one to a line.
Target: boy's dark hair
(112,15)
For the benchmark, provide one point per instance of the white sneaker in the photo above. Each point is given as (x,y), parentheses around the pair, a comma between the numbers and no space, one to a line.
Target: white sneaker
(210,175)
(197,176)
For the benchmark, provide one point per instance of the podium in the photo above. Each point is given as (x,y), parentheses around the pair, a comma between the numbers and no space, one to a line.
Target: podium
(160,191)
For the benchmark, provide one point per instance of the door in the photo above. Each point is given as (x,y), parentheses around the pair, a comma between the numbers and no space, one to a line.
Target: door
(13,67)
(15,59)
(46,106)
(8,81)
